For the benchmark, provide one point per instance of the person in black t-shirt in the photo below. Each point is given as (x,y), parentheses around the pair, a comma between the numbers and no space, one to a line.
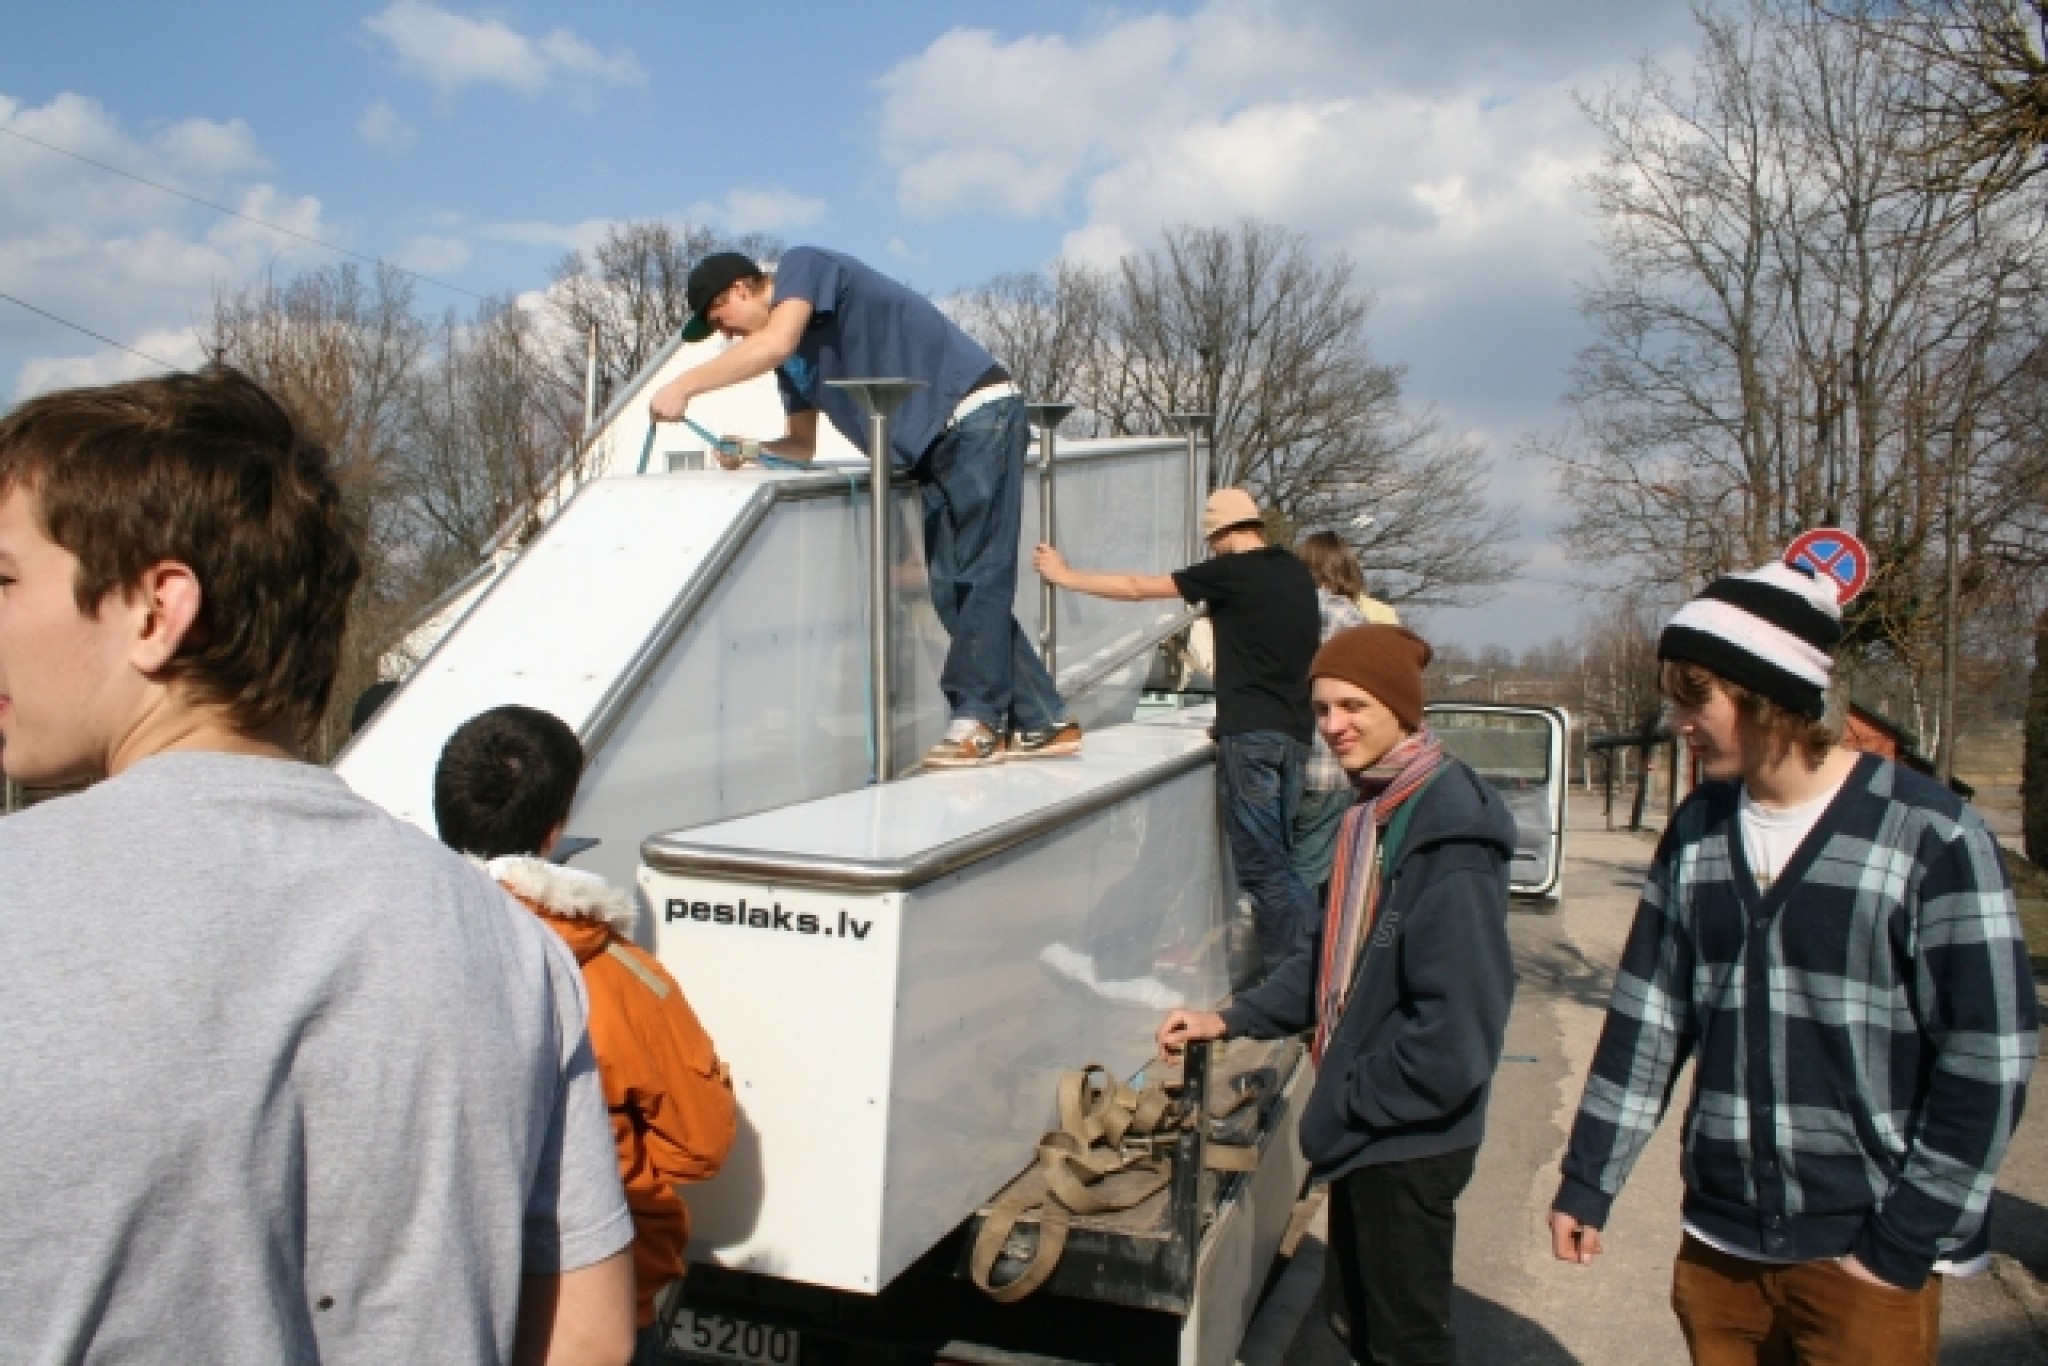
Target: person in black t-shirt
(1262,606)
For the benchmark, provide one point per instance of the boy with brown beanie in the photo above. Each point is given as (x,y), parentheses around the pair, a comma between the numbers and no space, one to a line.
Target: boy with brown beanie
(1406,980)
(1833,939)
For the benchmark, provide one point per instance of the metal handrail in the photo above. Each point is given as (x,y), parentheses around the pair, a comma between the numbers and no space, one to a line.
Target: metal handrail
(671,853)
(1068,455)
(1147,641)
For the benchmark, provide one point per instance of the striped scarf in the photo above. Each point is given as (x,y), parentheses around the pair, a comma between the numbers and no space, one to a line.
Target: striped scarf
(1355,875)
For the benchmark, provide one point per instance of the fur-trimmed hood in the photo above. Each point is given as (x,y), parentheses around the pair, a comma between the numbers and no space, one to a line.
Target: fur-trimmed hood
(565,893)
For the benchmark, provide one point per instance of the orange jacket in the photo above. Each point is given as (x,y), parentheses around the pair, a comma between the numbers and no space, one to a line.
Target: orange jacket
(669,1095)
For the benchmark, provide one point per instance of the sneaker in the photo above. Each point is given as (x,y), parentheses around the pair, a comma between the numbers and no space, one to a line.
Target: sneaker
(1149,992)
(967,744)
(1050,742)
(1071,964)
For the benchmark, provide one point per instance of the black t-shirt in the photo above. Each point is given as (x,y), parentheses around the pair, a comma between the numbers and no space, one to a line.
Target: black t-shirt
(1262,605)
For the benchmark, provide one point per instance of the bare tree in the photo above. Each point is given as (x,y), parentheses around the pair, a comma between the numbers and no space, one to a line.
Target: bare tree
(341,350)
(1250,324)
(631,288)
(1981,114)
(486,434)
(447,436)
(1796,326)
(1048,329)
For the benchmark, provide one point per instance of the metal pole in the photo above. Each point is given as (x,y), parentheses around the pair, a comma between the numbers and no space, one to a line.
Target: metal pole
(12,793)
(1193,426)
(879,399)
(590,383)
(1046,417)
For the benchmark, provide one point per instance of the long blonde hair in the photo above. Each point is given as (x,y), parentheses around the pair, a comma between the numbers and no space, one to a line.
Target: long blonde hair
(1334,566)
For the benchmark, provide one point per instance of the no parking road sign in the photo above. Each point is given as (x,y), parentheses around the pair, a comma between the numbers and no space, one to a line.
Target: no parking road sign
(1832,554)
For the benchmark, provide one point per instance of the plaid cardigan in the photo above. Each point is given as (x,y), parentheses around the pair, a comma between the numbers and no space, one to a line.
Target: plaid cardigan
(1864,1031)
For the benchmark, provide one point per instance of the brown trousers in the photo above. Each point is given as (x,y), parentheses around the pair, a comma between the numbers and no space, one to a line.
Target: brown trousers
(1741,1313)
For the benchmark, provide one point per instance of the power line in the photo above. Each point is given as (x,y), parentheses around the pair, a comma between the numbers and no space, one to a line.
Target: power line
(234,213)
(23,303)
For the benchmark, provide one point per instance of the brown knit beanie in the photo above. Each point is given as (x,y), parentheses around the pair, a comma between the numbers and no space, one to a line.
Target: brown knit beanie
(1386,661)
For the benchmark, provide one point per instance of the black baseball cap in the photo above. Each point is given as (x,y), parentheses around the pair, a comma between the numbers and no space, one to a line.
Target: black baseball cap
(710,278)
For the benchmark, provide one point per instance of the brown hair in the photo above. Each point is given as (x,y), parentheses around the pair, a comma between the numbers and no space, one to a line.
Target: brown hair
(1332,563)
(210,471)
(1690,685)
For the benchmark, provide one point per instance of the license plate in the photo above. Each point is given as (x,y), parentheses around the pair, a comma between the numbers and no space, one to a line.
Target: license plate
(720,1337)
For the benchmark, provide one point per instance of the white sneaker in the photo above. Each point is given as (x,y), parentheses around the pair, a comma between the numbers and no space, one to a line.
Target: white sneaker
(967,745)
(1071,964)
(1149,992)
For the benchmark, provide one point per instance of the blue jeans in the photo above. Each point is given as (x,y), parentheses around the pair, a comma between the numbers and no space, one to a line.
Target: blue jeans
(1316,823)
(971,485)
(1258,775)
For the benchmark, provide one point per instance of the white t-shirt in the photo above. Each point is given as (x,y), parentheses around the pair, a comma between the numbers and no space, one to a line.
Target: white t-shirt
(1771,836)
(285,1080)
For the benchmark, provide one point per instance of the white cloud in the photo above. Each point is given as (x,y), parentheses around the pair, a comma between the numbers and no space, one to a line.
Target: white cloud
(381,126)
(107,366)
(750,208)
(210,148)
(1437,146)
(451,50)
(758,208)
(433,255)
(121,259)
(580,236)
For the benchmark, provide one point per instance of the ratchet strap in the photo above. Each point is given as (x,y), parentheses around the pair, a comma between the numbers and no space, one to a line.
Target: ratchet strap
(1113,1150)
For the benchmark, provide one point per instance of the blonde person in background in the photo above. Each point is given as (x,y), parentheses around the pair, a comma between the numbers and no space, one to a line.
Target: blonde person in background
(1336,570)
(1325,790)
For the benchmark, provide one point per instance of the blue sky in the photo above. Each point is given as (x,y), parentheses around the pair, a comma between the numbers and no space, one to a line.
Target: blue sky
(945,143)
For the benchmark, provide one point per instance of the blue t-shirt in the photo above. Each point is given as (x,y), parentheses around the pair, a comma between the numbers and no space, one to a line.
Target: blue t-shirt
(866,326)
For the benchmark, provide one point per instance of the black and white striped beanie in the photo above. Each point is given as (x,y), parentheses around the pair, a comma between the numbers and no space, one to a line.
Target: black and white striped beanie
(1772,630)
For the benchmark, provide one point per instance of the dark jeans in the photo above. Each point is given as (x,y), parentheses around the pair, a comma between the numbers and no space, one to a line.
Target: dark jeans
(1316,823)
(1259,777)
(1387,1283)
(971,485)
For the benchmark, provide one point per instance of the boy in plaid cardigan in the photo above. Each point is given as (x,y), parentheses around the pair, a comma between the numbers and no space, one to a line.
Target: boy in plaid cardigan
(1833,939)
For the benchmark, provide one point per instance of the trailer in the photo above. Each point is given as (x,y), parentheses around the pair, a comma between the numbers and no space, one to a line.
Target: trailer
(899,969)
(877,968)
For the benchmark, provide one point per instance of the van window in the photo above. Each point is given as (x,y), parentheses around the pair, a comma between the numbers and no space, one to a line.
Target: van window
(1508,751)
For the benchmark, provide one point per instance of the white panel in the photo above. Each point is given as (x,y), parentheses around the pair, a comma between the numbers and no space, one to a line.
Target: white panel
(552,632)
(983,1019)
(803,1019)
(1127,513)
(763,700)
(985,1026)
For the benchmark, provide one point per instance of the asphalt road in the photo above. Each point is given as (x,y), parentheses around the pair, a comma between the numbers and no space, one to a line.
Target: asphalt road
(1514,1303)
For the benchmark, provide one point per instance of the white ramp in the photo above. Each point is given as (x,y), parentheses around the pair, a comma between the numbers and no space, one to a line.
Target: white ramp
(706,635)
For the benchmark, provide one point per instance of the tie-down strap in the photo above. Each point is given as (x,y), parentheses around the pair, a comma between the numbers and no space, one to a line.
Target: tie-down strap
(1113,1150)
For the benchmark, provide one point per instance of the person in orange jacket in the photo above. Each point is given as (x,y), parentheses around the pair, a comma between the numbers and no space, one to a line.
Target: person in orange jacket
(502,793)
